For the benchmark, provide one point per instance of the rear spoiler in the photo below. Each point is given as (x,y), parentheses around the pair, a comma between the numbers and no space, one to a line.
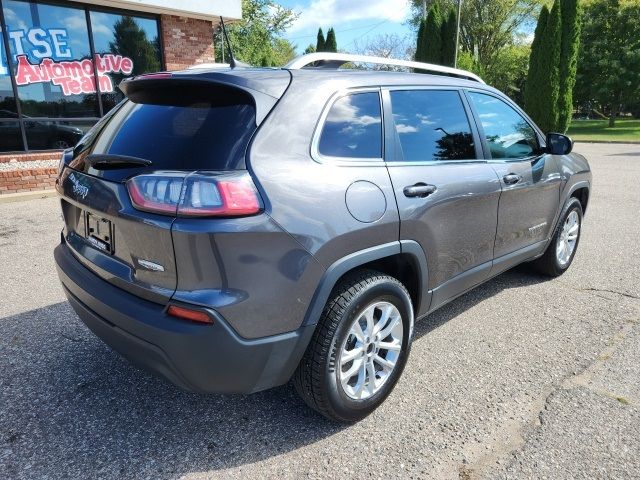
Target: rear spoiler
(187,89)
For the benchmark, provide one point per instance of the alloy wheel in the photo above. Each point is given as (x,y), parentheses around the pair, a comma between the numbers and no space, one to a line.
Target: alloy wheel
(568,238)
(371,350)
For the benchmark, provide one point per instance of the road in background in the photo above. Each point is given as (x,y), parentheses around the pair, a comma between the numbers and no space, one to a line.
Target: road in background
(522,377)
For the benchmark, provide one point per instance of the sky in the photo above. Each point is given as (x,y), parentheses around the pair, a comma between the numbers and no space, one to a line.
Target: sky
(353,20)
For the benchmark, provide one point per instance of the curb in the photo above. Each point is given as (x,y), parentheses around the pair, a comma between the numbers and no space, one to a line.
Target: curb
(24,196)
(620,142)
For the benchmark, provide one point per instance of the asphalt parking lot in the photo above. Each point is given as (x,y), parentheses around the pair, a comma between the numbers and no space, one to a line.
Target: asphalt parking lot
(521,378)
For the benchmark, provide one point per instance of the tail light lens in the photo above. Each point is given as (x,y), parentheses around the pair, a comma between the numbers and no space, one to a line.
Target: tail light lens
(196,194)
(197,316)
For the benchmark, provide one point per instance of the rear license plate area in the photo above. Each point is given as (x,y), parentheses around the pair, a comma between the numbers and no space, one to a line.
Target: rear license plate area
(99,232)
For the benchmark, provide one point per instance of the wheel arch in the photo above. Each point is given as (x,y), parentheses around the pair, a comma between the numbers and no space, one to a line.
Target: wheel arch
(404,260)
(581,192)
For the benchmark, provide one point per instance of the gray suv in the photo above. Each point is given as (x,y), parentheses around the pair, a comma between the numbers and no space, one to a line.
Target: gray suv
(235,229)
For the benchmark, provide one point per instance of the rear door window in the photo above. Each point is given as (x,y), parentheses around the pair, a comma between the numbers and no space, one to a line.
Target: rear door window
(432,125)
(353,128)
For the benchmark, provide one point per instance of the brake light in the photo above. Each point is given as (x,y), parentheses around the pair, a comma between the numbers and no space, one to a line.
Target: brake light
(197,316)
(196,194)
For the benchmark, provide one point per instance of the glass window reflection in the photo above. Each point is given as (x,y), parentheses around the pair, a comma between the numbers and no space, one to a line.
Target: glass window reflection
(132,38)
(432,125)
(353,127)
(508,134)
(50,58)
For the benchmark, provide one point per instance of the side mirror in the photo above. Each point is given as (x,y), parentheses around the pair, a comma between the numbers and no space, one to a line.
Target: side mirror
(559,144)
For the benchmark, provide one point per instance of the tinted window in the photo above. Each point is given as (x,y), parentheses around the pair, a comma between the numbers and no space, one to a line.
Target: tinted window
(507,132)
(353,127)
(432,125)
(192,132)
(10,136)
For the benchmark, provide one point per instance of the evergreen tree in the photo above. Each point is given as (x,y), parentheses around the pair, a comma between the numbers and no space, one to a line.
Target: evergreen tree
(321,43)
(569,43)
(548,62)
(419,56)
(448,38)
(532,90)
(129,40)
(433,41)
(331,44)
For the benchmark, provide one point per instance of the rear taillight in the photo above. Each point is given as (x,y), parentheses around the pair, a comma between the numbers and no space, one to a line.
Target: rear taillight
(199,194)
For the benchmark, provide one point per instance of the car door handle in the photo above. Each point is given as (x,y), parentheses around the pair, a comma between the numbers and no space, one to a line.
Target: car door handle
(511,178)
(420,189)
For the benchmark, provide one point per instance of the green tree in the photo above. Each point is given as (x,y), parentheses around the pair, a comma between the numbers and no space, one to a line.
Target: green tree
(129,40)
(310,49)
(609,56)
(534,80)
(487,26)
(433,41)
(550,63)
(331,44)
(255,39)
(448,38)
(420,43)
(569,44)
(543,82)
(321,43)
(283,52)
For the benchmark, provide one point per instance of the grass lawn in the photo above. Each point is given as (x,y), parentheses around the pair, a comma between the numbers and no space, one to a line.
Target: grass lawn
(598,130)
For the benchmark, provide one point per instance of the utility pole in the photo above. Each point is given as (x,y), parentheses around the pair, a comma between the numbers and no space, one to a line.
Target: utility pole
(455,56)
(424,9)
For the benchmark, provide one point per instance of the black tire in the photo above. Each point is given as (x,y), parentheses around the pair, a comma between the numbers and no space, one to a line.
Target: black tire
(317,378)
(60,144)
(548,263)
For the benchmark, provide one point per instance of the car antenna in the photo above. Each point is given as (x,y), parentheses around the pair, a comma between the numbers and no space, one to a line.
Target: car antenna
(233,63)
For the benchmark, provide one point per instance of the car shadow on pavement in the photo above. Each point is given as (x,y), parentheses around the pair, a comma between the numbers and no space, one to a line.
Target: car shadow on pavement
(73,408)
(519,276)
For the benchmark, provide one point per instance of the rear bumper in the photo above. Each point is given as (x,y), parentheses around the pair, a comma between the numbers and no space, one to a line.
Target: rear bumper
(199,358)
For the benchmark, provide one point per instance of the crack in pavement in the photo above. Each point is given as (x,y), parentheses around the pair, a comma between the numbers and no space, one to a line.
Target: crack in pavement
(511,437)
(595,290)
(591,289)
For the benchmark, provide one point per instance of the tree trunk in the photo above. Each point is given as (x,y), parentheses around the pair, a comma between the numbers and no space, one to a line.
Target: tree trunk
(613,113)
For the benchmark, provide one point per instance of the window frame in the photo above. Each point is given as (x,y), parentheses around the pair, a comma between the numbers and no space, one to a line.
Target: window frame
(483,139)
(87,8)
(393,140)
(348,161)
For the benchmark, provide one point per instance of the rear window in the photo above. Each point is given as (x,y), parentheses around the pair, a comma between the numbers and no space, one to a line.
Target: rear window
(202,129)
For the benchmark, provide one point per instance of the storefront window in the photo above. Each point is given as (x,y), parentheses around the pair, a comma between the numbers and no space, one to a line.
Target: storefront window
(51,59)
(134,39)
(10,134)
(57,74)
(7,100)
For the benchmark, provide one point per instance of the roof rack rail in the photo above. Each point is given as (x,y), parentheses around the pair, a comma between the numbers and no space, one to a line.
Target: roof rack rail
(332,60)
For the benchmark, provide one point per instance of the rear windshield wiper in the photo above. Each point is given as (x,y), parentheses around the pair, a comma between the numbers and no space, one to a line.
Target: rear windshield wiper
(103,161)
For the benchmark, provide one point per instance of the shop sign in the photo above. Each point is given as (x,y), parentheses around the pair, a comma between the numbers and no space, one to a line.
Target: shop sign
(76,76)
(48,61)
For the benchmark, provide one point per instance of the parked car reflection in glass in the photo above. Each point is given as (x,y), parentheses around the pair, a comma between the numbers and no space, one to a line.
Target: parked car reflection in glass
(41,134)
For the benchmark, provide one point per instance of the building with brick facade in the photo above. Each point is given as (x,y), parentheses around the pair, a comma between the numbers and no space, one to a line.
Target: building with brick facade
(61,62)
